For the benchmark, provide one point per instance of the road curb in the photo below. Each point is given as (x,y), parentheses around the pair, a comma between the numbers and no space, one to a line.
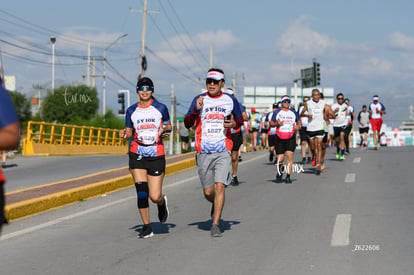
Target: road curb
(29,207)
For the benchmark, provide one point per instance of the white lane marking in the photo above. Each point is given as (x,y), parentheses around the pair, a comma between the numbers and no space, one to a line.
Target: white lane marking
(357,160)
(340,234)
(350,177)
(82,213)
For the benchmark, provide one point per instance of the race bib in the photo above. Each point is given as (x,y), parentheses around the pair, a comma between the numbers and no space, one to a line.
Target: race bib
(286,128)
(148,137)
(214,130)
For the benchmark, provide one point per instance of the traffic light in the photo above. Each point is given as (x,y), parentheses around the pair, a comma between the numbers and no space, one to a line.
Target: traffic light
(316,74)
(121,100)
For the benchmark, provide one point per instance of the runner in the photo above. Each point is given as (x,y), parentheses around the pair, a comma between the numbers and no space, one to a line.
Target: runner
(363,120)
(237,138)
(327,113)
(376,109)
(315,109)
(350,126)
(264,128)
(147,121)
(211,113)
(271,133)
(303,134)
(340,110)
(286,121)
(254,126)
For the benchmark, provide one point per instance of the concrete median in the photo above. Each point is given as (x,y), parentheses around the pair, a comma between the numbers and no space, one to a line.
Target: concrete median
(26,207)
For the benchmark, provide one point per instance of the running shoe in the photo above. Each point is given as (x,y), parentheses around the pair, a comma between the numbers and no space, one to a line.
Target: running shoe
(288,180)
(270,157)
(240,158)
(279,178)
(322,167)
(342,157)
(163,211)
(338,155)
(146,232)
(215,231)
(318,169)
(234,181)
(303,161)
(313,161)
(309,159)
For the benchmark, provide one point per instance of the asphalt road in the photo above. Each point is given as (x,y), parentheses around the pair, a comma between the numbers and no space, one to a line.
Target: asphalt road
(22,172)
(357,217)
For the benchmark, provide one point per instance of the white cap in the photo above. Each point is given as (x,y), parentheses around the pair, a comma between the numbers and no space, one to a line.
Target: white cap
(215,75)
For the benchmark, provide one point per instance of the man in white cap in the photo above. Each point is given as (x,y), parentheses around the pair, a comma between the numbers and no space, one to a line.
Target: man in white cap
(214,113)
(376,109)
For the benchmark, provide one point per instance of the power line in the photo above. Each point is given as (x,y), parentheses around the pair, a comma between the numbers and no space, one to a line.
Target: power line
(39,61)
(171,66)
(189,36)
(171,47)
(179,36)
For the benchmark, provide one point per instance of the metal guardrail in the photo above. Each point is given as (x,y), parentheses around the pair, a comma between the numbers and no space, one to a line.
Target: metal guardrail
(44,133)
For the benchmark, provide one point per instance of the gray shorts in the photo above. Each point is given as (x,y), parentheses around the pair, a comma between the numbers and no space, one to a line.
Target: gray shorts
(212,168)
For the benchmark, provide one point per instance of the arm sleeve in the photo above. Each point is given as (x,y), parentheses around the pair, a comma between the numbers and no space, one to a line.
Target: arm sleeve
(192,114)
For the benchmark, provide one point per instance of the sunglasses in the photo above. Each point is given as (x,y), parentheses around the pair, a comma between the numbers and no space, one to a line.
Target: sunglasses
(145,88)
(209,80)
(286,101)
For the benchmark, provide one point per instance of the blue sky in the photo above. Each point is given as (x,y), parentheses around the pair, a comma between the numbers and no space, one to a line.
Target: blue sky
(364,47)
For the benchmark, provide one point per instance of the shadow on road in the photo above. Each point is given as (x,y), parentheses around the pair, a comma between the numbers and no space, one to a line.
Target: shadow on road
(157,227)
(206,225)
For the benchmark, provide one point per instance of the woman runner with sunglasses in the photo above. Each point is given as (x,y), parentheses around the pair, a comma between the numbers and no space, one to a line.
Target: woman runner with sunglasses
(148,122)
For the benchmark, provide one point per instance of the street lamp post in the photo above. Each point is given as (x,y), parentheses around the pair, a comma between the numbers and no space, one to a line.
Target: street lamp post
(53,40)
(104,73)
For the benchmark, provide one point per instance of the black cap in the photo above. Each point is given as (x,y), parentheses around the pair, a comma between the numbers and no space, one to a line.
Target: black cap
(275,105)
(145,81)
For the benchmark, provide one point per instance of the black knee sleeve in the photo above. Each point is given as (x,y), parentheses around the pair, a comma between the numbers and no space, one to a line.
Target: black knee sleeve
(142,194)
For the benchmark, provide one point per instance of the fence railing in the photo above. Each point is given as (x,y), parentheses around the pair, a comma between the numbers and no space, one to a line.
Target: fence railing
(44,133)
(52,133)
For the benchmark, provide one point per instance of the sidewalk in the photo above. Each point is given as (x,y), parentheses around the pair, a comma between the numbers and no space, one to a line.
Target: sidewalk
(29,201)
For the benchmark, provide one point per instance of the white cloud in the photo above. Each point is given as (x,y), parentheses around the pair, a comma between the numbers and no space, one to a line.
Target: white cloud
(376,66)
(305,41)
(77,38)
(176,50)
(401,41)
(219,40)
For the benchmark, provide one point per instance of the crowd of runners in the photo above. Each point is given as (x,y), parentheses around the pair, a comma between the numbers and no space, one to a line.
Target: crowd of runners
(222,126)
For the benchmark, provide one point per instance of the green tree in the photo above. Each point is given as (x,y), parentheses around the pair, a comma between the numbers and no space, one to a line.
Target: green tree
(70,103)
(22,105)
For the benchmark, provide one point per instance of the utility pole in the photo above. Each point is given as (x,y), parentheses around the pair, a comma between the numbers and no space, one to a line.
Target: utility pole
(39,88)
(211,56)
(53,41)
(173,118)
(88,66)
(234,77)
(143,65)
(104,72)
